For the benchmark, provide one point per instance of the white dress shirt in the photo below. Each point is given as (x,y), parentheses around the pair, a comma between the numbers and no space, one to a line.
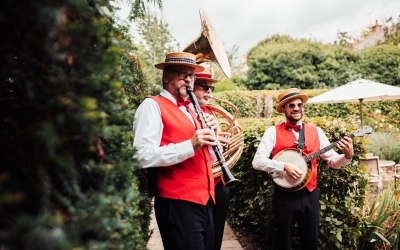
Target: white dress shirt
(262,161)
(148,129)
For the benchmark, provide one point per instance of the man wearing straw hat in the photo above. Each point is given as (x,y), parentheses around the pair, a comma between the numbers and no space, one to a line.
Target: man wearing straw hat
(203,87)
(170,141)
(299,206)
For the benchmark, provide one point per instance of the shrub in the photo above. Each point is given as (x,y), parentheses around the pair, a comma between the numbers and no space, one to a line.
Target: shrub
(66,172)
(382,116)
(385,145)
(254,103)
(380,228)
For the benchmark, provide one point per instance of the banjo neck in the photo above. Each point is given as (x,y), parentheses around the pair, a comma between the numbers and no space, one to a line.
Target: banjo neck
(324,150)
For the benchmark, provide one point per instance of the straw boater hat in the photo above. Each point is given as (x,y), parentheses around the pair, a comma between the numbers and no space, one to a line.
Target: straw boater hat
(289,95)
(206,75)
(180,59)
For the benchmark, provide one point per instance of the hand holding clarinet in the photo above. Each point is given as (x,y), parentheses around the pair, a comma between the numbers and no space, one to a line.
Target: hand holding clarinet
(202,137)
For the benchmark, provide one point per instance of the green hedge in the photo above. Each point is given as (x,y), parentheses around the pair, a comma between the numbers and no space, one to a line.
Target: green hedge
(380,115)
(67,176)
(341,190)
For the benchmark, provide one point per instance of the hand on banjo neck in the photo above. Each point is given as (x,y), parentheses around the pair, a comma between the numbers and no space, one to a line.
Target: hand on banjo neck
(345,145)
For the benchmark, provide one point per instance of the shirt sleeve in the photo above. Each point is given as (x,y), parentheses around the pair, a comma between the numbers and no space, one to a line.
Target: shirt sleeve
(333,159)
(262,159)
(148,129)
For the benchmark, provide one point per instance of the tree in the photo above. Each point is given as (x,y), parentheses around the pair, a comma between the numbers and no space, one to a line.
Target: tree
(138,8)
(157,41)
(66,170)
(238,69)
(282,62)
(380,63)
(392,31)
(344,38)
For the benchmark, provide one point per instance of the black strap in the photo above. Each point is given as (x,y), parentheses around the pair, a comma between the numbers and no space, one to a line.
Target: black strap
(301,143)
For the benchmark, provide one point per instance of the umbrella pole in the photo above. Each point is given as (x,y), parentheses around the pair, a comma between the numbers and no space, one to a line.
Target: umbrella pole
(361,111)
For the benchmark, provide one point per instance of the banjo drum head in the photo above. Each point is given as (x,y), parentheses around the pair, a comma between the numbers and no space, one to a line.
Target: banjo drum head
(293,157)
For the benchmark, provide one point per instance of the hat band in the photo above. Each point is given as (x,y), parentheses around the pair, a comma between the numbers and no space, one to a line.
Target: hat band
(204,75)
(180,60)
(289,95)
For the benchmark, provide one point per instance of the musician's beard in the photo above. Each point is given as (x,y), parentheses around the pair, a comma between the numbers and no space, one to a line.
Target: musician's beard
(182,92)
(293,120)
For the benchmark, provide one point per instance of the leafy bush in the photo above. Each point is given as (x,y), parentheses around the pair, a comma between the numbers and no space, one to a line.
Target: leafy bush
(67,176)
(342,191)
(380,63)
(380,228)
(255,103)
(385,145)
(287,62)
(229,84)
(382,116)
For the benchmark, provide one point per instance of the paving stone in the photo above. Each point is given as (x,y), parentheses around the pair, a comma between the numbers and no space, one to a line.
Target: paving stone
(229,241)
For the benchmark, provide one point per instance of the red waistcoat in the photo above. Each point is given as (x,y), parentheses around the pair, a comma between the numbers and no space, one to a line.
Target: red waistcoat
(192,179)
(285,139)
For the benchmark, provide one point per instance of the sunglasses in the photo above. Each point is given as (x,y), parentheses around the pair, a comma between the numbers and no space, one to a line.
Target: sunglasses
(206,87)
(184,75)
(293,105)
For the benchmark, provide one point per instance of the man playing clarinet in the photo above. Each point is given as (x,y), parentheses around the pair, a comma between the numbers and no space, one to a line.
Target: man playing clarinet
(170,140)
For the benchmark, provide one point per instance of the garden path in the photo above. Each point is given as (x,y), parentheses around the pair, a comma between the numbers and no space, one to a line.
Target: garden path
(229,242)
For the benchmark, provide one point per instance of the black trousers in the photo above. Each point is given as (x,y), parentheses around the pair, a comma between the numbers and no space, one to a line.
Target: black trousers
(222,197)
(300,207)
(184,224)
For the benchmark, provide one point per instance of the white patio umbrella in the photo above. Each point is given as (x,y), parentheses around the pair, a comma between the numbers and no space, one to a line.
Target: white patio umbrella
(360,90)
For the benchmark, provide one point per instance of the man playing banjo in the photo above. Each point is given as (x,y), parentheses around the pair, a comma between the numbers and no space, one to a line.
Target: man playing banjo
(293,205)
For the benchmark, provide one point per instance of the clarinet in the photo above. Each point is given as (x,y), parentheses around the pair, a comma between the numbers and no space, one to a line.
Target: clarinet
(227,176)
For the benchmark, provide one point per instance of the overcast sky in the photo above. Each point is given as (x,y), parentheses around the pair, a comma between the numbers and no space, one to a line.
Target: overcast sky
(245,23)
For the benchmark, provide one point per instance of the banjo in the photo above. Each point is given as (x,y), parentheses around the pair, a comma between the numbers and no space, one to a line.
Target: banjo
(302,161)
